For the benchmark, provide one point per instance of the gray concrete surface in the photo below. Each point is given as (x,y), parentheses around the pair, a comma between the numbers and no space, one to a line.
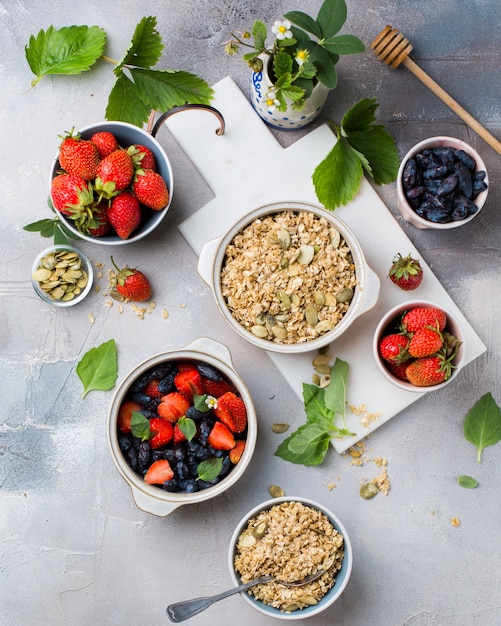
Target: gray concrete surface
(75,550)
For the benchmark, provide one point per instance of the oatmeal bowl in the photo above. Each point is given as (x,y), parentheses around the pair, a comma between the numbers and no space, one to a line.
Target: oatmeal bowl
(289,539)
(289,277)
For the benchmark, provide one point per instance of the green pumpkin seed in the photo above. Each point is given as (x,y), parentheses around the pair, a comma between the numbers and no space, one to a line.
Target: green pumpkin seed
(279,427)
(335,238)
(284,238)
(284,299)
(369,490)
(279,332)
(284,263)
(276,491)
(344,295)
(306,254)
(293,606)
(323,369)
(41,274)
(259,331)
(246,540)
(315,379)
(323,327)
(309,600)
(324,381)
(311,315)
(319,298)
(295,299)
(321,359)
(260,530)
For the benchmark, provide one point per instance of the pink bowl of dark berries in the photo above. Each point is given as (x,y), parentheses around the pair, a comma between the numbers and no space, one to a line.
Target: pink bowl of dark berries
(182,427)
(111,183)
(418,346)
(442,183)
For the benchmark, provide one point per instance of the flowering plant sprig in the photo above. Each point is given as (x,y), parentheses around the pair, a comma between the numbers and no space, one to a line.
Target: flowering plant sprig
(304,51)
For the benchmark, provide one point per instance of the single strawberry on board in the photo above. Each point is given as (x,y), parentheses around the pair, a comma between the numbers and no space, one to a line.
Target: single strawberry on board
(132,284)
(114,174)
(419,317)
(105,142)
(425,342)
(70,193)
(406,272)
(394,348)
(124,214)
(150,189)
(78,156)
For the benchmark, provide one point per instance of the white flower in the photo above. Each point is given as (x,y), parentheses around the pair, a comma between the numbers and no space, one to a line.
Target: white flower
(282,29)
(211,402)
(301,56)
(272,102)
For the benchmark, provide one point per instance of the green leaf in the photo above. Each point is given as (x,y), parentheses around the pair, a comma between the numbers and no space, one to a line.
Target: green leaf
(467,482)
(125,104)
(163,89)
(337,178)
(314,404)
(304,21)
(381,152)
(344,44)
(282,66)
(293,93)
(98,368)
(326,66)
(360,116)
(145,48)
(209,469)
(140,426)
(259,33)
(187,427)
(199,402)
(335,392)
(68,50)
(307,445)
(45,227)
(482,425)
(331,17)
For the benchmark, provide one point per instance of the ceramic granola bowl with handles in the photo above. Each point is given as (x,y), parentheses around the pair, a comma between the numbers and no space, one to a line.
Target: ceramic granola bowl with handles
(182,427)
(289,277)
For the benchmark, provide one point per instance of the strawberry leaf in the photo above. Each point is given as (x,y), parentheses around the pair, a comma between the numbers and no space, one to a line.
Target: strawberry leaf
(482,425)
(68,50)
(145,48)
(164,89)
(125,103)
(98,368)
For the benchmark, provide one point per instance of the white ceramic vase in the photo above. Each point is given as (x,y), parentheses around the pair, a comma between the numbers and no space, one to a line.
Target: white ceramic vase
(290,119)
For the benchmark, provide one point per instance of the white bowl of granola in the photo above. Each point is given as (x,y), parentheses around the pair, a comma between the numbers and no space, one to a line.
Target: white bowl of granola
(289,277)
(290,538)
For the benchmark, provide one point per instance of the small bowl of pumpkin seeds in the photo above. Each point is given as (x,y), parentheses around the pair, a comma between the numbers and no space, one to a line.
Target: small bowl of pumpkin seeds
(62,275)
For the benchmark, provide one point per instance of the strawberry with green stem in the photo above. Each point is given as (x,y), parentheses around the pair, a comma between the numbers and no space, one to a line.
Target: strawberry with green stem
(79,156)
(131,283)
(406,272)
(114,174)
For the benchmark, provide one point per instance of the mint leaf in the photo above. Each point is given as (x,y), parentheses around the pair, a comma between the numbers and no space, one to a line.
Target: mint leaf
(145,48)
(68,50)
(482,425)
(335,392)
(307,445)
(337,178)
(209,469)
(199,402)
(467,482)
(98,368)
(140,426)
(187,427)
(314,404)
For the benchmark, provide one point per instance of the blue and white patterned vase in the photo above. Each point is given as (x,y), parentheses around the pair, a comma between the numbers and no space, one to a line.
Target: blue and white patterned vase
(288,120)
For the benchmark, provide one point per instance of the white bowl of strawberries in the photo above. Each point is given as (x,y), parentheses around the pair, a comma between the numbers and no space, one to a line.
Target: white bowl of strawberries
(182,427)
(111,183)
(418,346)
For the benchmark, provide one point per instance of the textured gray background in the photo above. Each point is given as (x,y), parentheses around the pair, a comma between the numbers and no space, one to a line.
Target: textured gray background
(74,548)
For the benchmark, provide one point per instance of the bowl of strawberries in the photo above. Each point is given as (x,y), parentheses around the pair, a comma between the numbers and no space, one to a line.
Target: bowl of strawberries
(418,346)
(182,427)
(111,183)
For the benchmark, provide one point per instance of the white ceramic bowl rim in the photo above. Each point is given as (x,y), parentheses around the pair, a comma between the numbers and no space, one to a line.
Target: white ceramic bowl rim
(88,268)
(434,142)
(154,499)
(396,312)
(127,134)
(364,298)
(342,577)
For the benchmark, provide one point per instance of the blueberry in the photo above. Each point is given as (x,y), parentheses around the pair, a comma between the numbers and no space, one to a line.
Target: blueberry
(194,413)
(181,470)
(131,455)
(140,398)
(209,372)
(171,485)
(189,485)
(166,384)
(124,443)
(465,158)
(438,216)
(448,185)
(143,455)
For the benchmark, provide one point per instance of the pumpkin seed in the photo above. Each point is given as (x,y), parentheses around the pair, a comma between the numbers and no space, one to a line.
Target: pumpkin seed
(315,379)
(57,293)
(293,606)
(323,369)
(260,530)
(356,454)
(294,257)
(117,296)
(319,298)
(284,299)
(259,331)
(306,254)
(369,490)
(246,540)
(323,327)
(324,381)
(311,315)
(279,427)
(335,238)
(261,318)
(282,318)
(344,295)
(41,274)
(284,238)
(272,237)
(270,320)
(330,300)
(284,263)
(309,600)
(295,299)
(279,332)
(276,491)
(321,359)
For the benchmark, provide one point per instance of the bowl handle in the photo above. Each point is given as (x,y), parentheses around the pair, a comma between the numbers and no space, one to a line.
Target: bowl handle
(216,349)
(151,505)
(371,292)
(153,127)
(206,261)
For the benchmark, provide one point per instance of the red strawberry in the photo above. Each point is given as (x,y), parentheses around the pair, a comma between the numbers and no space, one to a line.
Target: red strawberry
(143,157)
(393,348)
(132,284)
(189,383)
(105,142)
(237,451)
(419,317)
(399,370)
(220,438)
(70,193)
(159,472)
(232,412)
(78,156)
(114,173)
(162,430)
(406,272)
(430,370)
(173,406)
(216,388)
(97,223)
(150,189)
(178,435)
(124,214)
(425,342)
(151,389)
(127,408)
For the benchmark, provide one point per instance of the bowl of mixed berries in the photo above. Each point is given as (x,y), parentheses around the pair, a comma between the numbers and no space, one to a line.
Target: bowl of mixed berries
(111,183)
(182,427)
(418,346)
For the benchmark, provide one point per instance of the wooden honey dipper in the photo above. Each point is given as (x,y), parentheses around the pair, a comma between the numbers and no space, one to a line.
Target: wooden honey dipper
(393,49)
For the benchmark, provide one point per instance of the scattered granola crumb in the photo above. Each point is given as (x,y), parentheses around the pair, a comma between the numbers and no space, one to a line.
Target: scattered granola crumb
(367,416)
(165,313)
(382,481)
(120,308)
(97,288)
(108,303)
(455,521)
(182,305)
(91,318)
(331,486)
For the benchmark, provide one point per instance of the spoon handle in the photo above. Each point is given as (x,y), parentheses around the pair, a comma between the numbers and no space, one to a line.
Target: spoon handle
(180,611)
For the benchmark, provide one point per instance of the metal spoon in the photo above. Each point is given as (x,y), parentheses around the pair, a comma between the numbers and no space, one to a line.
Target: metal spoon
(181,611)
